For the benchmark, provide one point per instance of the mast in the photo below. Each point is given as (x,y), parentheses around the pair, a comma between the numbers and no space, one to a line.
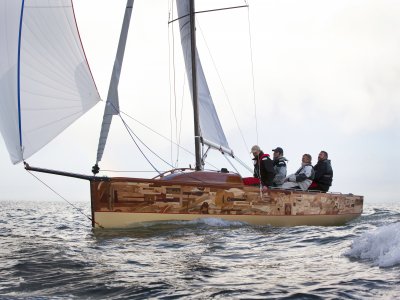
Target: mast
(199,165)
(207,127)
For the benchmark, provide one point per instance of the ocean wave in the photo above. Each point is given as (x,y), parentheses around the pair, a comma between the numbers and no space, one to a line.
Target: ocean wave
(381,246)
(51,252)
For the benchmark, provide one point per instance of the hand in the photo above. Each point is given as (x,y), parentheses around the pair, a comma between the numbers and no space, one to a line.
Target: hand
(264,189)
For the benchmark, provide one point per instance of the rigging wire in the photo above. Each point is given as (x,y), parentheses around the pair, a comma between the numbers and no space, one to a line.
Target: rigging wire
(129,171)
(210,10)
(173,92)
(160,135)
(252,72)
(169,79)
(178,139)
(173,83)
(172,68)
(223,87)
(63,198)
(130,131)
(179,146)
(231,164)
(243,164)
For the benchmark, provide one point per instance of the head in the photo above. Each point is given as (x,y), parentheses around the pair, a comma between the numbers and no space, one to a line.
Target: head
(322,155)
(255,150)
(278,152)
(306,159)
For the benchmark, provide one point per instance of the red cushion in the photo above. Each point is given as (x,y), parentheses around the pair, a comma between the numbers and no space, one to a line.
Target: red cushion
(251,181)
(313,185)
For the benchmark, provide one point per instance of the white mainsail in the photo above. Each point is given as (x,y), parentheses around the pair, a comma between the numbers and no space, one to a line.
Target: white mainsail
(45,80)
(211,130)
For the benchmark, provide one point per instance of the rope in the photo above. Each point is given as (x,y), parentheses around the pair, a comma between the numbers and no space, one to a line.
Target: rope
(178,120)
(147,127)
(231,164)
(178,139)
(128,171)
(223,87)
(63,198)
(252,73)
(243,164)
(172,83)
(130,132)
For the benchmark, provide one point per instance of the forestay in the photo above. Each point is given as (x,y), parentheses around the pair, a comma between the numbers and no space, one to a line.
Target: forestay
(45,80)
(211,130)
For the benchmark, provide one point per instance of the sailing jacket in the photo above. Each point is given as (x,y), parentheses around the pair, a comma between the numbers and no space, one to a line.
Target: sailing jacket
(264,169)
(280,171)
(323,174)
(303,176)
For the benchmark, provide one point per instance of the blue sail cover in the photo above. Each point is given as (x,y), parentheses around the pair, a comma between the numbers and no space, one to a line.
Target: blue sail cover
(45,80)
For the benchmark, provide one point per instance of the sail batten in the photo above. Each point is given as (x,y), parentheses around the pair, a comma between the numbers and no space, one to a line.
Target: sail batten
(45,80)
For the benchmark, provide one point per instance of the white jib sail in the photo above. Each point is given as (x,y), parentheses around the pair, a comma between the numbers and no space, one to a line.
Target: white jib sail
(45,80)
(210,126)
(112,105)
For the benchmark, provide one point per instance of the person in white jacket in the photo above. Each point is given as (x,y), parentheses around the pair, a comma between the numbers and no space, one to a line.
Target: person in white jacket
(303,177)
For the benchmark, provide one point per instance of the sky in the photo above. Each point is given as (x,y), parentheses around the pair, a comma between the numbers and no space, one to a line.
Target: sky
(305,75)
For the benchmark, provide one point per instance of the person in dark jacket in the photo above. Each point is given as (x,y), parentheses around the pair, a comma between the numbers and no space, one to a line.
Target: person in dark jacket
(323,173)
(263,166)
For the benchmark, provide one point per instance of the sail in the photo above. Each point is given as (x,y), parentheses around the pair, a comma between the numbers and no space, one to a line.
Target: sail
(112,105)
(45,80)
(210,127)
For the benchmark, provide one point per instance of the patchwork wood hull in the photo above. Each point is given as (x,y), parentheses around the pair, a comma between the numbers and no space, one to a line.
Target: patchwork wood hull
(127,202)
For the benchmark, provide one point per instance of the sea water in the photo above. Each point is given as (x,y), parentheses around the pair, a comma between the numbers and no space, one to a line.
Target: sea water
(48,250)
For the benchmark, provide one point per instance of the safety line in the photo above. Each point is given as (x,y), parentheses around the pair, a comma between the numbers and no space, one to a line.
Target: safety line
(252,74)
(55,192)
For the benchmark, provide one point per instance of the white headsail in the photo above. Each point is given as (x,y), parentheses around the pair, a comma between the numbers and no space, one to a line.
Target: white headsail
(210,126)
(45,80)
(112,105)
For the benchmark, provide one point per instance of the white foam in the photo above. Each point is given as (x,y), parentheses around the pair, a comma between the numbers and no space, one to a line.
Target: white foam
(215,222)
(381,245)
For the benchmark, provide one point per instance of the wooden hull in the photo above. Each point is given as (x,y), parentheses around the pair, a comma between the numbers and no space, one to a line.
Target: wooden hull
(127,202)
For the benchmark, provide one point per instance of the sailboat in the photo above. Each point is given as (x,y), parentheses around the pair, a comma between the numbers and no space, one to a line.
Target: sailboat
(46,85)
